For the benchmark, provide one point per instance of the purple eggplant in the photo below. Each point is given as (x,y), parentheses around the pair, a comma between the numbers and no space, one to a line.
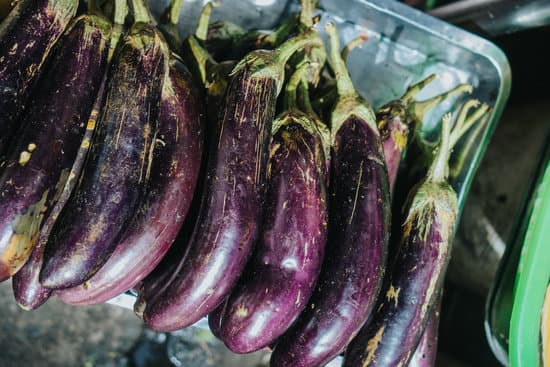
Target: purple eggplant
(395,118)
(230,213)
(279,280)
(358,230)
(119,164)
(44,152)
(426,351)
(26,38)
(174,173)
(392,335)
(27,290)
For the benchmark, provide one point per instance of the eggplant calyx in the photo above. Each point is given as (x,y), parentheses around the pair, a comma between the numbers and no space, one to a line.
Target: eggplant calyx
(439,169)
(348,103)
(271,64)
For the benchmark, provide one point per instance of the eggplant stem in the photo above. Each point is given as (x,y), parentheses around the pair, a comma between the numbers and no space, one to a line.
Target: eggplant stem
(204,19)
(322,129)
(420,108)
(290,100)
(463,124)
(458,165)
(285,51)
(306,14)
(413,90)
(282,32)
(141,12)
(120,13)
(174,11)
(439,169)
(354,43)
(201,56)
(344,85)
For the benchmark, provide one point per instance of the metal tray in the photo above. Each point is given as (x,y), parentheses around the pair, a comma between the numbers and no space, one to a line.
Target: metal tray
(404,46)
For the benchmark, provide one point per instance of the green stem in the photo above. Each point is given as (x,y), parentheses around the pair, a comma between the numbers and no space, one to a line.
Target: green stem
(463,124)
(420,108)
(354,43)
(344,85)
(141,12)
(285,51)
(306,14)
(120,13)
(458,165)
(174,12)
(439,169)
(281,33)
(413,90)
(290,100)
(204,19)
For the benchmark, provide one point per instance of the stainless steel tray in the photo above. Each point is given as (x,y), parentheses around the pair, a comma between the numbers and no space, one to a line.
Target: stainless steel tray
(404,46)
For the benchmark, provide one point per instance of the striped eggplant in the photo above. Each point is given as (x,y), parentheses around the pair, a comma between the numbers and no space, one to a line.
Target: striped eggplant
(358,230)
(392,335)
(27,290)
(281,276)
(426,351)
(231,209)
(174,172)
(119,164)
(396,118)
(26,38)
(44,152)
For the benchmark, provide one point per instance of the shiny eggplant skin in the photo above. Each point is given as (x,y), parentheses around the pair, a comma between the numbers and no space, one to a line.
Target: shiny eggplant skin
(27,36)
(174,174)
(281,276)
(394,131)
(119,164)
(27,290)
(396,327)
(44,152)
(228,221)
(355,256)
(426,351)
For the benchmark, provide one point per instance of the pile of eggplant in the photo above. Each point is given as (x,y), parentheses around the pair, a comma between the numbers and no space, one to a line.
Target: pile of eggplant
(235,174)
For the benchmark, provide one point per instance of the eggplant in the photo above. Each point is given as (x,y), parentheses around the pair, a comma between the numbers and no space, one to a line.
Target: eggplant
(119,164)
(392,335)
(230,213)
(395,119)
(281,276)
(44,152)
(26,37)
(426,351)
(359,224)
(174,173)
(27,290)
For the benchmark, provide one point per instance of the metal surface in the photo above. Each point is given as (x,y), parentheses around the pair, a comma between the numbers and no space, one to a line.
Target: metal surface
(405,45)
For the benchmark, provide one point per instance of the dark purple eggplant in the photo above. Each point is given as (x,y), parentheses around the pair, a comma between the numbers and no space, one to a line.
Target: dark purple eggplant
(26,38)
(45,150)
(231,210)
(426,351)
(27,290)
(359,223)
(281,276)
(119,164)
(395,119)
(174,172)
(392,335)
